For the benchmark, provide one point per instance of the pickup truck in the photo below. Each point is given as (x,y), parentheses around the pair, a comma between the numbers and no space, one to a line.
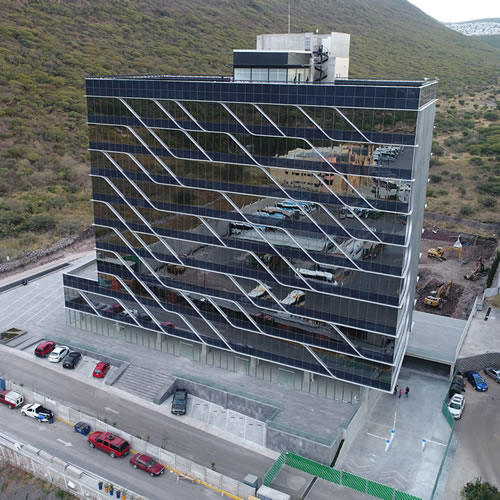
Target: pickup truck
(11,398)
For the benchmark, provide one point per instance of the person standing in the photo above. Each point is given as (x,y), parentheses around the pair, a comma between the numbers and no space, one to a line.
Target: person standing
(396,389)
(400,393)
(407,391)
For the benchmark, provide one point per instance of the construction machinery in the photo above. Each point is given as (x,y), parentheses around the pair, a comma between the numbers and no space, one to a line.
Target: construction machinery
(479,270)
(439,297)
(438,253)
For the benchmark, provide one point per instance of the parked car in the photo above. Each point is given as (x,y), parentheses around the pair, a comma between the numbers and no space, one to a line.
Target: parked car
(476,381)
(147,464)
(72,360)
(44,348)
(494,373)
(115,446)
(11,398)
(37,411)
(179,402)
(167,324)
(100,369)
(114,309)
(456,406)
(58,354)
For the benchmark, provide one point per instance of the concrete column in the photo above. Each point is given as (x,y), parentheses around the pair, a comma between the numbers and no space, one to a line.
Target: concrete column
(203,354)
(306,381)
(252,371)
(159,340)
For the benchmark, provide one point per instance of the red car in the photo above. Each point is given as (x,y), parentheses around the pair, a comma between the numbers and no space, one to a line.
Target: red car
(45,348)
(101,369)
(115,446)
(148,464)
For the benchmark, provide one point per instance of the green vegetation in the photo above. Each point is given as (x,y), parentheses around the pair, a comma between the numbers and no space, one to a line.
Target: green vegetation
(467,147)
(493,40)
(479,490)
(493,269)
(47,48)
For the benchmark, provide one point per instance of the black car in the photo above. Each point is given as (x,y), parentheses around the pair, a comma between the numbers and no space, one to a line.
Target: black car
(72,359)
(179,402)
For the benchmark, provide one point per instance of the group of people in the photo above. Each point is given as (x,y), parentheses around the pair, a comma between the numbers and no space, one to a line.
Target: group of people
(396,389)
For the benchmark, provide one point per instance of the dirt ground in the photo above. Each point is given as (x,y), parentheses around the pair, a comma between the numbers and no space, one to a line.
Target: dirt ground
(18,484)
(433,273)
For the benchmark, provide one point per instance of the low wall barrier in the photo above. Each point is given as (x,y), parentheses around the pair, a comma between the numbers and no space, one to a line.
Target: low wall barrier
(176,463)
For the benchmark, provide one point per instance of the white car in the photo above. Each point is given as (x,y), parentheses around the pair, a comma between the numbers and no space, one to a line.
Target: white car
(456,406)
(59,353)
(37,411)
(295,297)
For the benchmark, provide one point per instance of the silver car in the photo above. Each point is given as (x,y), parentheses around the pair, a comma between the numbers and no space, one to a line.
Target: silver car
(494,373)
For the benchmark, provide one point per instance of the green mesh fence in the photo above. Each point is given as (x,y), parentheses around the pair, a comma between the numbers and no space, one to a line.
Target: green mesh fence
(271,473)
(341,478)
(399,495)
(313,468)
(447,415)
(354,482)
(379,490)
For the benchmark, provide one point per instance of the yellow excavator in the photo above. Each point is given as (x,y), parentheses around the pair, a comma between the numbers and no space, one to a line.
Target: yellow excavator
(437,299)
(438,253)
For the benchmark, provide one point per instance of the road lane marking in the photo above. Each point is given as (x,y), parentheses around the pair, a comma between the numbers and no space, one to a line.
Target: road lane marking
(222,492)
(65,443)
(111,410)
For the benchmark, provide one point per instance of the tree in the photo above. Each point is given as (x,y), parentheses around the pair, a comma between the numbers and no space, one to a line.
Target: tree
(479,490)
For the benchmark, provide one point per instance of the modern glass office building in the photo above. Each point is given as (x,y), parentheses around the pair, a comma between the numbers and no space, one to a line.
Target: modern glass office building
(275,217)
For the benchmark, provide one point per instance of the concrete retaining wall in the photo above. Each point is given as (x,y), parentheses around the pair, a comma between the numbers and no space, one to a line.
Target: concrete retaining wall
(351,430)
(183,466)
(245,405)
(79,482)
(279,440)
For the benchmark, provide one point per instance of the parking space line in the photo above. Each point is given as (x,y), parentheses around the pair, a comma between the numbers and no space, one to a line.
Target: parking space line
(51,311)
(375,436)
(32,307)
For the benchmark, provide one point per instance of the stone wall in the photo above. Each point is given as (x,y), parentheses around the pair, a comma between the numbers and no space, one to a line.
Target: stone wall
(35,256)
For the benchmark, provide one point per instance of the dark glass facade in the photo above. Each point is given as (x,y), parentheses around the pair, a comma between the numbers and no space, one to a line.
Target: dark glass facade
(279,221)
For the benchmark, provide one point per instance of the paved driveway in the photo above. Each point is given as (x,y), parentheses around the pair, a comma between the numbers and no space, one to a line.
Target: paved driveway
(478,435)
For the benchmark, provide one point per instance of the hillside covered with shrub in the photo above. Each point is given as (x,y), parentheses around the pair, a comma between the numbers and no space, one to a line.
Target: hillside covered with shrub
(47,48)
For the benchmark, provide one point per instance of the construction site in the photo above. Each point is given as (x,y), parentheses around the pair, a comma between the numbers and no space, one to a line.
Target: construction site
(452,271)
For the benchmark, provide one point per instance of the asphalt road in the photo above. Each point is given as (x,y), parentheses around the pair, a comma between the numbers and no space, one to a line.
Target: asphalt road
(478,453)
(140,418)
(60,440)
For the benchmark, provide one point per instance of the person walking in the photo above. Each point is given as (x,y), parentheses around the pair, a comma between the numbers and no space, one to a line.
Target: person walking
(400,393)
(407,391)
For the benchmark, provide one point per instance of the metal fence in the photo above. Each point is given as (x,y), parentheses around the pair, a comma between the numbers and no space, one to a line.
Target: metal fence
(176,463)
(451,422)
(339,477)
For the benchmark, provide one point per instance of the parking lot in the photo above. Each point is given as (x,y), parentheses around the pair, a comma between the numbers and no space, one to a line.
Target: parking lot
(478,451)
(84,368)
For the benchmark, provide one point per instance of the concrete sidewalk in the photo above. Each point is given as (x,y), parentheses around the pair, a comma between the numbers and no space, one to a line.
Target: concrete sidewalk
(39,309)
(404,466)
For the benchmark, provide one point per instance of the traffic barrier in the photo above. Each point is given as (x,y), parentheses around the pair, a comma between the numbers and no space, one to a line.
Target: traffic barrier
(175,463)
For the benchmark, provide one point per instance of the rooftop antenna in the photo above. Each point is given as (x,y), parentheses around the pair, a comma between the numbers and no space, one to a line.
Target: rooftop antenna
(288,17)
